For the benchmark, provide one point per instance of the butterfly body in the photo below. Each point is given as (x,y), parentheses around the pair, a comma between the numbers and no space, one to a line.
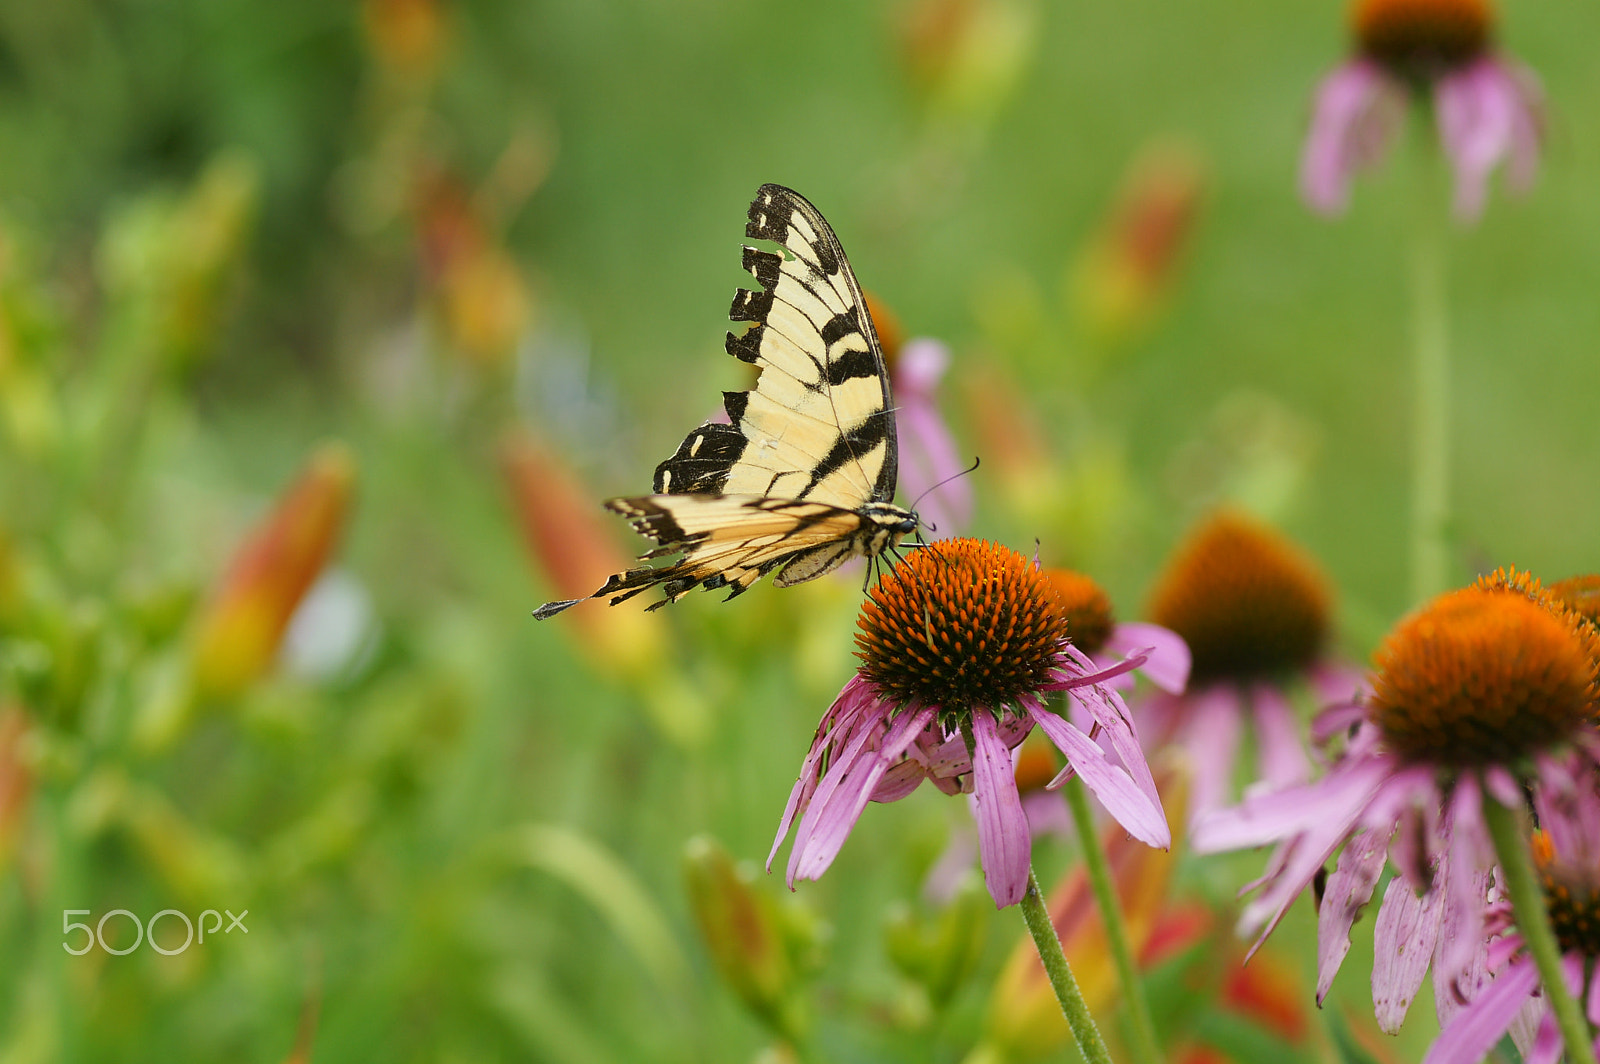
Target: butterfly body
(801,477)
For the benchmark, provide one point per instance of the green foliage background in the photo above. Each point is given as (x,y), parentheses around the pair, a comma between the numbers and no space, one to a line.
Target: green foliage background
(467,845)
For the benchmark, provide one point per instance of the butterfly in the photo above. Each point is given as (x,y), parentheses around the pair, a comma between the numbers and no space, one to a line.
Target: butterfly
(800,479)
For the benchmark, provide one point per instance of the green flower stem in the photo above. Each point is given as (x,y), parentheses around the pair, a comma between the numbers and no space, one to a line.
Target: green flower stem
(1146,1047)
(1430,447)
(1073,1007)
(1527,901)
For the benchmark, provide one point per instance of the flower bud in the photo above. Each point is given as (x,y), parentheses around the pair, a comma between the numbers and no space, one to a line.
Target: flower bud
(242,626)
(758,953)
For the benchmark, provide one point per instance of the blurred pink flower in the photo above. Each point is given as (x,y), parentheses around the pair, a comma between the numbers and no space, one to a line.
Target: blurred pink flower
(927,450)
(1489,109)
(961,645)
(1253,609)
(1468,692)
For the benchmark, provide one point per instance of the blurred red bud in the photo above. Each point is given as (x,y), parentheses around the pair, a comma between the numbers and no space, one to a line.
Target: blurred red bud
(241,627)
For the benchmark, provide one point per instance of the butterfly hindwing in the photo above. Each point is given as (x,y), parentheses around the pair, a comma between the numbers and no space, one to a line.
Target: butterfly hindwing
(801,478)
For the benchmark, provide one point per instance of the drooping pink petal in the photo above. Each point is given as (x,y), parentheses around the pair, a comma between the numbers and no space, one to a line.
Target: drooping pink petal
(1281,753)
(1306,853)
(1460,972)
(843,793)
(1469,1037)
(1350,887)
(1118,730)
(1406,931)
(854,700)
(1168,659)
(1466,881)
(1478,109)
(1211,737)
(1337,798)
(1114,788)
(1353,119)
(1004,845)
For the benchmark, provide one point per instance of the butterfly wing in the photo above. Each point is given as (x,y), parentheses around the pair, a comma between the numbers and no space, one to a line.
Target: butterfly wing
(726,541)
(818,424)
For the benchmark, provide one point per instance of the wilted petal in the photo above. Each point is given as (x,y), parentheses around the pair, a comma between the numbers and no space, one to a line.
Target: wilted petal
(1004,845)
(843,793)
(1469,1037)
(837,723)
(1407,929)
(1349,889)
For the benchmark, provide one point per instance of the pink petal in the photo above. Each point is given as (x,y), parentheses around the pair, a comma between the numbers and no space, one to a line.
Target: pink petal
(1547,1046)
(853,701)
(1168,659)
(1349,889)
(1117,729)
(1349,129)
(1004,845)
(1211,737)
(1281,752)
(1339,797)
(927,450)
(1466,881)
(899,781)
(1456,988)
(1115,789)
(1482,112)
(1337,684)
(843,794)
(1408,927)
(1469,1037)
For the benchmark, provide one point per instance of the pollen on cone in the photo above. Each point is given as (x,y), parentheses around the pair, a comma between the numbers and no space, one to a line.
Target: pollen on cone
(961,623)
(1481,676)
(239,632)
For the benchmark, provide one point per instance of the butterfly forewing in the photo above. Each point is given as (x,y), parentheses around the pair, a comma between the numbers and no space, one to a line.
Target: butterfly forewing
(798,481)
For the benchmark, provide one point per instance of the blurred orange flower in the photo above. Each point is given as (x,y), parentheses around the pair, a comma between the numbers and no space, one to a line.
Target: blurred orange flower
(1120,281)
(241,627)
(480,297)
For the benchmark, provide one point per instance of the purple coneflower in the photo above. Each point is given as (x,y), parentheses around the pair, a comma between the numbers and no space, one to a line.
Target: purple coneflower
(1566,854)
(960,646)
(1437,52)
(1253,609)
(1473,696)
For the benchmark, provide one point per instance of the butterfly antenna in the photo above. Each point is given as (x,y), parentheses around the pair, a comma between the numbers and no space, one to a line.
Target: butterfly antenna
(973,468)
